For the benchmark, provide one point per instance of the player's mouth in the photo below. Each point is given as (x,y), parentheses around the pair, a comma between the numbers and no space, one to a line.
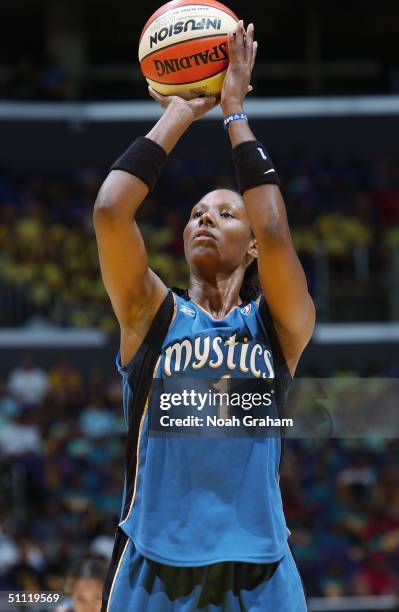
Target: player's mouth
(203,234)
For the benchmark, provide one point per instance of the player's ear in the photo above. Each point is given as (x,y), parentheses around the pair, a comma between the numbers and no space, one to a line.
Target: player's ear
(253,248)
(252,253)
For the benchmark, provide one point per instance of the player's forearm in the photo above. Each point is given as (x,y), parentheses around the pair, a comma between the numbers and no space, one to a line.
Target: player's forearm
(267,213)
(265,205)
(171,126)
(281,274)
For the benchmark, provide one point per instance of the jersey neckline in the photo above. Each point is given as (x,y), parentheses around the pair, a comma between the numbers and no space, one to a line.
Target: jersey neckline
(210,316)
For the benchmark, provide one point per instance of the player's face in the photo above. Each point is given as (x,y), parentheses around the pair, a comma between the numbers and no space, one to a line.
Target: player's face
(218,234)
(86,595)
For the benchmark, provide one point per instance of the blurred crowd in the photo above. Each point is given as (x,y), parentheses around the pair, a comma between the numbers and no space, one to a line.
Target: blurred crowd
(61,453)
(341,500)
(62,444)
(344,216)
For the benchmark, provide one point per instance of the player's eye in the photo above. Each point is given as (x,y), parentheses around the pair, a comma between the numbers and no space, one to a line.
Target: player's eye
(197,213)
(226,214)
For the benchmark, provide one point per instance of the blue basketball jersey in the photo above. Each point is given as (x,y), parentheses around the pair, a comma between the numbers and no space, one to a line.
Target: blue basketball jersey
(192,500)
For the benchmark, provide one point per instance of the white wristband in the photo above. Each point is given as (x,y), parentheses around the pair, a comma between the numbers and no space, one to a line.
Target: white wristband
(235,117)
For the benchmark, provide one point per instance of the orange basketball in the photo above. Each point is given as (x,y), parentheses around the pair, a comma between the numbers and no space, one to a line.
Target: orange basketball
(183,47)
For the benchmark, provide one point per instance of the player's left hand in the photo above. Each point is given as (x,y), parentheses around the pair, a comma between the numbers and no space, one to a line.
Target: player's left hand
(242,54)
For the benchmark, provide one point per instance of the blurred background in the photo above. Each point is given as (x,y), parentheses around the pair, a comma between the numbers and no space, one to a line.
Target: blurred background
(57,50)
(326,105)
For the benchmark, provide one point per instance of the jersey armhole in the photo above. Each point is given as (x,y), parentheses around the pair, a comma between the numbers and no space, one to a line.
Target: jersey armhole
(154,337)
(284,379)
(278,355)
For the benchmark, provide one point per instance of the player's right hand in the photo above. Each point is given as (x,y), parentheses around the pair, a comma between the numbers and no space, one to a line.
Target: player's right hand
(196,108)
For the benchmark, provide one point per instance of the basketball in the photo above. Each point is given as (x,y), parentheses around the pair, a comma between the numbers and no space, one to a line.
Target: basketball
(183,48)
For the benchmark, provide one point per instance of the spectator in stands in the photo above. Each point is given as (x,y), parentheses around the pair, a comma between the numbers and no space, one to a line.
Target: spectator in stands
(64,377)
(333,581)
(96,419)
(359,477)
(8,552)
(28,383)
(9,406)
(20,436)
(26,574)
(84,585)
(375,577)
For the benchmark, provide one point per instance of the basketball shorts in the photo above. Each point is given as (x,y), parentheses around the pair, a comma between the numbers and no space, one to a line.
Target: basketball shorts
(137,584)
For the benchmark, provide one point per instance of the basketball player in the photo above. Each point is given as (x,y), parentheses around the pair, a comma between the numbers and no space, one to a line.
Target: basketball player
(202,525)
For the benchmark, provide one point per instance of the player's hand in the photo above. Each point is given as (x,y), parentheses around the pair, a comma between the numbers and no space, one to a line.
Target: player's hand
(195,108)
(242,53)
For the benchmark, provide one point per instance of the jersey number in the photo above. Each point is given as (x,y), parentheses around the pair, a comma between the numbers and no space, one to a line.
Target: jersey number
(223,387)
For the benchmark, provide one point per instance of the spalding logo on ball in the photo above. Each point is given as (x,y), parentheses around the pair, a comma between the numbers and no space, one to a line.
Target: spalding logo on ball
(183,48)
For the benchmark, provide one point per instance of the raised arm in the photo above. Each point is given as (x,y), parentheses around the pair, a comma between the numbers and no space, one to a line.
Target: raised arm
(136,292)
(281,274)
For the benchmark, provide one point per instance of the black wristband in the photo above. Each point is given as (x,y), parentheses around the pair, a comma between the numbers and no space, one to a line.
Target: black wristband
(144,159)
(253,166)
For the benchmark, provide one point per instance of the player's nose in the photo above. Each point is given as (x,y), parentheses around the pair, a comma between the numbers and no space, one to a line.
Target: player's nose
(207,219)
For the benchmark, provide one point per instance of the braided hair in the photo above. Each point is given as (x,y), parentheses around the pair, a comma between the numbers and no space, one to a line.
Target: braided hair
(250,289)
